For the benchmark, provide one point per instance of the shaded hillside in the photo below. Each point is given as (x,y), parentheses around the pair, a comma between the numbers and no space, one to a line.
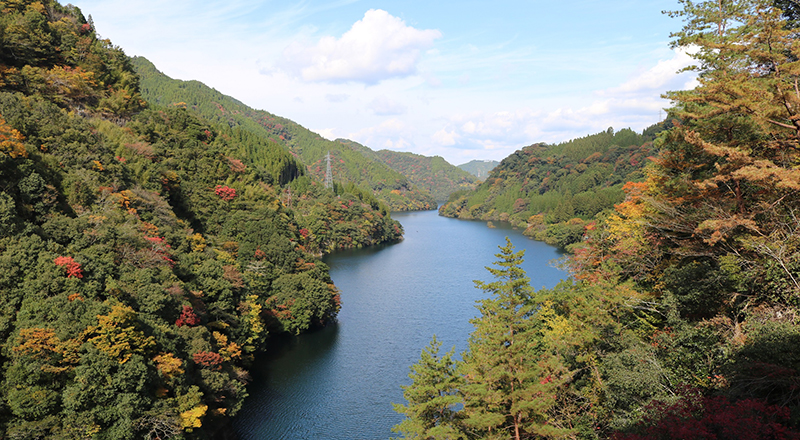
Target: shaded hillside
(553,190)
(433,174)
(347,165)
(479,168)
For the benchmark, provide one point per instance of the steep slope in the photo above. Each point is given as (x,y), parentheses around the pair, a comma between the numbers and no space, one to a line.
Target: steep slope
(554,190)
(479,168)
(433,174)
(145,254)
(347,165)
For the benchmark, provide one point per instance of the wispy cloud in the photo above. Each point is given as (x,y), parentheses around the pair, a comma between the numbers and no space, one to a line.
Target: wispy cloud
(337,97)
(662,76)
(383,106)
(462,83)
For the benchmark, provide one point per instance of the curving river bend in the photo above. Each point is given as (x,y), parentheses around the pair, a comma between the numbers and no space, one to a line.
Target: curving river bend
(338,383)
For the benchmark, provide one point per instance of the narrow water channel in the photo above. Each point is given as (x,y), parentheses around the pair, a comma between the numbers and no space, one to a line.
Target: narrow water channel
(338,383)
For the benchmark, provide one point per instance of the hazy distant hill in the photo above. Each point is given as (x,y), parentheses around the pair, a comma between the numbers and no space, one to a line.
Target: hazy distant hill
(433,174)
(347,164)
(479,168)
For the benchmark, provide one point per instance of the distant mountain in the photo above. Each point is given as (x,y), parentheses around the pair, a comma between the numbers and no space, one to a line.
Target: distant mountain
(479,168)
(433,174)
(347,164)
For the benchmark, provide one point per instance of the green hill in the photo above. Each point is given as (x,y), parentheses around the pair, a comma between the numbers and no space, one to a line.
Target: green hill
(432,174)
(348,165)
(479,168)
(554,190)
(145,253)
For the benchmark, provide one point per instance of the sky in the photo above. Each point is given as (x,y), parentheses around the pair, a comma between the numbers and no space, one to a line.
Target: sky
(462,79)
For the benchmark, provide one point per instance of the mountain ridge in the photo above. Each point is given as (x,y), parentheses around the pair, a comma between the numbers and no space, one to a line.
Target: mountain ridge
(390,186)
(479,168)
(431,173)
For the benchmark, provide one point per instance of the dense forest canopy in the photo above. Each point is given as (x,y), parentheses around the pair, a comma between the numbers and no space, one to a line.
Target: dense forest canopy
(148,249)
(146,252)
(681,319)
(554,191)
(349,165)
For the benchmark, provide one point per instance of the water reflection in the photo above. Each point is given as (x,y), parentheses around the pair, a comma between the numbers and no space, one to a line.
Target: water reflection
(339,382)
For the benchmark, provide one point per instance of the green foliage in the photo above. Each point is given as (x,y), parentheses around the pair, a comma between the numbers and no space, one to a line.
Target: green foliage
(682,319)
(568,184)
(49,51)
(115,220)
(508,378)
(433,400)
(432,174)
(348,165)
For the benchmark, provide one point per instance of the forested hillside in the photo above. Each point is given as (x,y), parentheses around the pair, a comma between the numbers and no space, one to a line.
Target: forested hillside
(432,174)
(682,317)
(145,253)
(479,168)
(347,165)
(553,191)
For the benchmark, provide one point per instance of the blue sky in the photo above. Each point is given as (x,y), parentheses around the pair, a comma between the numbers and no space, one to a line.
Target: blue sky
(463,80)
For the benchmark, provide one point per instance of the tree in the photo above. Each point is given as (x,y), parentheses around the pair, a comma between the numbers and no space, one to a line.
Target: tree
(725,183)
(11,140)
(432,398)
(510,377)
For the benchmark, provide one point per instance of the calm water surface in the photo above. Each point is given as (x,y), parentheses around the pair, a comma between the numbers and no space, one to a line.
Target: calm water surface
(338,383)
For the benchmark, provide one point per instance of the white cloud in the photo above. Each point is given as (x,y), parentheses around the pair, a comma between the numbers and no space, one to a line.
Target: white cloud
(391,134)
(499,127)
(383,106)
(377,47)
(399,144)
(445,138)
(662,76)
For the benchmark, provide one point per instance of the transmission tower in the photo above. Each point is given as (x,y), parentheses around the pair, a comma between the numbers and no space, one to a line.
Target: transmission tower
(328,175)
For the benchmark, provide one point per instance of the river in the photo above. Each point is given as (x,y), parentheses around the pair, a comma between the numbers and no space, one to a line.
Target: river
(338,383)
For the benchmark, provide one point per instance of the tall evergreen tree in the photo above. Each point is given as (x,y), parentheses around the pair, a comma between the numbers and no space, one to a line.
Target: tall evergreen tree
(433,399)
(509,376)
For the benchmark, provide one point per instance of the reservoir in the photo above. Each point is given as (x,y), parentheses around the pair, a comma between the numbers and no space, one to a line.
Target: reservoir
(338,383)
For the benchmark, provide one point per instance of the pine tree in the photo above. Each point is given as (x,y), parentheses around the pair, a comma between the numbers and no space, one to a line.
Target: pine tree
(727,178)
(509,375)
(432,398)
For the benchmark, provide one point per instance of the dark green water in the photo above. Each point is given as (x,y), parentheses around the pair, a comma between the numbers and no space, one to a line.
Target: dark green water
(339,383)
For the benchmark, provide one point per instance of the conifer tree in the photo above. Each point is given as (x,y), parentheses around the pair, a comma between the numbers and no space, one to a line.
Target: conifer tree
(432,398)
(726,180)
(509,375)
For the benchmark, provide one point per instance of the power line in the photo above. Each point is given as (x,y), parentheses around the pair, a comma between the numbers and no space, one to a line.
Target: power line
(328,175)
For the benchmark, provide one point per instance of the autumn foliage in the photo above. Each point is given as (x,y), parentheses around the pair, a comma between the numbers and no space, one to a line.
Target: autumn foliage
(208,359)
(72,268)
(188,317)
(713,418)
(225,192)
(120,261)
(11,140)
